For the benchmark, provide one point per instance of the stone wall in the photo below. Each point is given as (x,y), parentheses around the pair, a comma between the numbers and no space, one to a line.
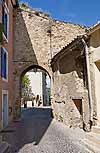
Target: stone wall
(69,85)
(94,57)
(62,33)
(37,38)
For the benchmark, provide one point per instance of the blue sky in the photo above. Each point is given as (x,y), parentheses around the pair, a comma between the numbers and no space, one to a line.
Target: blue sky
(86,12)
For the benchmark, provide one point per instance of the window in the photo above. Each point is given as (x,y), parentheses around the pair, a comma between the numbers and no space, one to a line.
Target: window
(5,22)
(4,63)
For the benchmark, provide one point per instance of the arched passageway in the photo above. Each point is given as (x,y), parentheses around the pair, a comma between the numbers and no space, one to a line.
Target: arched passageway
(38,90)
(37,39)
(35,88)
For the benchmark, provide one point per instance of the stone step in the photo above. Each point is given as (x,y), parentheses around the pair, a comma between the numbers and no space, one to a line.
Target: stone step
(93,147)
(5,147)
(93,138)
(92,141)
(96,129)
(93,135)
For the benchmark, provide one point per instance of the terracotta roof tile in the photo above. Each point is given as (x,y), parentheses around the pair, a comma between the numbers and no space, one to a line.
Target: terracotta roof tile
(93,26)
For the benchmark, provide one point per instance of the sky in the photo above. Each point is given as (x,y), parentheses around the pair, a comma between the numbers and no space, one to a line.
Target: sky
(85,12)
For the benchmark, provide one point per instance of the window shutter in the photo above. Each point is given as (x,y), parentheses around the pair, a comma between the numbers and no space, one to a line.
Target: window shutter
(5,23)
(3,64)
(3,14)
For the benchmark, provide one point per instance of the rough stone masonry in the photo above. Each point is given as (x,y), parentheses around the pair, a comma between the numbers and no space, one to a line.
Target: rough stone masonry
(37,39)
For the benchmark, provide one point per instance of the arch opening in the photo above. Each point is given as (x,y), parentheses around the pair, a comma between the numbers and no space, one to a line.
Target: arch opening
(35,87)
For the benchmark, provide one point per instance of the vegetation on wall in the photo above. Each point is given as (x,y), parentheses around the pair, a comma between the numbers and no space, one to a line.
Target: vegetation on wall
(36,11)
(61,117)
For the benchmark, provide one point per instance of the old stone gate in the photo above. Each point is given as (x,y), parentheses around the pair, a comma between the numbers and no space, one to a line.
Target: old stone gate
(37,39)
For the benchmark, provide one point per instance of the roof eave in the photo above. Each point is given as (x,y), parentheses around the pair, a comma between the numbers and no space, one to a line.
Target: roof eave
(93,29)
(69,47)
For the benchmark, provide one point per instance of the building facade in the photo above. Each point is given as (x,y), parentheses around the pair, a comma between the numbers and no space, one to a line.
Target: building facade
(70,86)
(94,54)
(76,79)
(6,67)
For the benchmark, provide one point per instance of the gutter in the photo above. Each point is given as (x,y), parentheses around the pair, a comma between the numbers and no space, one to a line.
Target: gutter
(89,79)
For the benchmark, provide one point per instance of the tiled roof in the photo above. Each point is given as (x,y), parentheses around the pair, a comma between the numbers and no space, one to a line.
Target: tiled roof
(94,26)
(76,39)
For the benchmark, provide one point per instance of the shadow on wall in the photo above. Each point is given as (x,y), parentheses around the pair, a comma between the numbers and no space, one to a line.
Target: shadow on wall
(23,47)
(95,41)
(72,62)
(30,129)
(23,55)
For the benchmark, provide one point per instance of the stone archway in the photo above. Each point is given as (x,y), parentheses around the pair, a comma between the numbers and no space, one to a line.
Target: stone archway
(18,74)
(37,39)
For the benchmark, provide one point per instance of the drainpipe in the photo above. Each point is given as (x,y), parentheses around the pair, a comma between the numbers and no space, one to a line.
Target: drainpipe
(89,79)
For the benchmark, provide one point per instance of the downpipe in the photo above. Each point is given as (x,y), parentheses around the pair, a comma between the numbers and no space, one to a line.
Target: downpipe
(89,82)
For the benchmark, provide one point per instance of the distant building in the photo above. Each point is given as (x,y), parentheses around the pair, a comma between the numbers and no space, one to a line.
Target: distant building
(39,85)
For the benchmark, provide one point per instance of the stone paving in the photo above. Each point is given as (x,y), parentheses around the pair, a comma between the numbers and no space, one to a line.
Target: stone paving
(37,132)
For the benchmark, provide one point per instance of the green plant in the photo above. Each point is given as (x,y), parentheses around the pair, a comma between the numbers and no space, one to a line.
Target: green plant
(26,89)
(61,118)
(24,5)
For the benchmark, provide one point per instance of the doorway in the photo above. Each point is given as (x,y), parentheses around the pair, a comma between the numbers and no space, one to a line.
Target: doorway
(78,104)
(4,108)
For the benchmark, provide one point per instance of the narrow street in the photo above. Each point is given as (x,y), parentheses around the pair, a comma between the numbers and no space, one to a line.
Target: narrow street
(37,132)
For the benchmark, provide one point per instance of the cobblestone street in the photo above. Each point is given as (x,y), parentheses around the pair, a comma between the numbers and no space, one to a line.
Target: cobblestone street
(37,132)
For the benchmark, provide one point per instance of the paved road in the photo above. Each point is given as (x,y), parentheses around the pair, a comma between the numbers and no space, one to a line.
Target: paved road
(37,132)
